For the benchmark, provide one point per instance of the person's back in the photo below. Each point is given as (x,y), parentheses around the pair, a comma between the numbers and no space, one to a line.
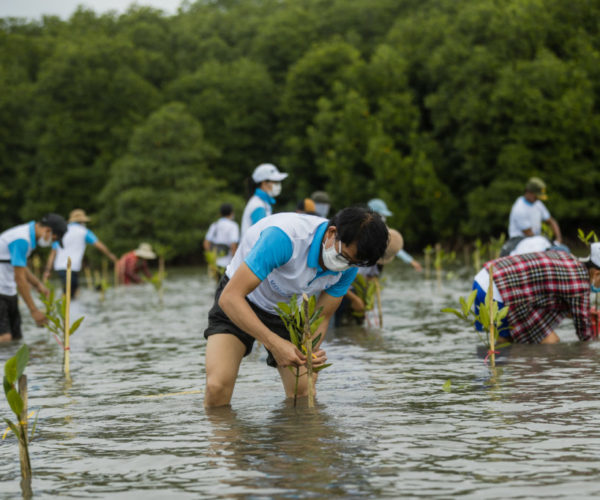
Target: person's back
(222,235)
(74,242)
(525,215)
(23,237)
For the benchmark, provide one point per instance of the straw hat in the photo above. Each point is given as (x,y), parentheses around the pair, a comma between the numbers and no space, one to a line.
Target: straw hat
(145,251)
(78,215)
(395,244)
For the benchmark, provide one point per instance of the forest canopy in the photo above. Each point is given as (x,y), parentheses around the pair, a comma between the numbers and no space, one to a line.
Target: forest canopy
(441,108)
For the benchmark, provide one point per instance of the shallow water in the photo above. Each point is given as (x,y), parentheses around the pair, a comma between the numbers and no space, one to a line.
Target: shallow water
(383,426)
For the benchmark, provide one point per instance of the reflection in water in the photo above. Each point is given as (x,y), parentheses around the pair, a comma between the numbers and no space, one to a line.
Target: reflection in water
(286,451)
(382,427)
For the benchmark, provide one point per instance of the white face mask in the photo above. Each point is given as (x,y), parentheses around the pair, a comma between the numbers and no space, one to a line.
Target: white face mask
(322,209)
(275,189)
(43,242)
(333,258)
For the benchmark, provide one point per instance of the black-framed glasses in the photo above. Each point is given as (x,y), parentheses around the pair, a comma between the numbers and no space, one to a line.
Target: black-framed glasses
(347,260)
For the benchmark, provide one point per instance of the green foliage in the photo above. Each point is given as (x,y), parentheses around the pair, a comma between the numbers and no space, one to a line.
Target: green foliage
(588,238)
(365,289)
(443,109)
(467,313)
(55,312)
(13,369)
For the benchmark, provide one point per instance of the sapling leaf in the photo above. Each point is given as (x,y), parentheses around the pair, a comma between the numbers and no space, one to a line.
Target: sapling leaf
(284,308)
(75,326)
(294,337)
(15,402)
(447,387)
(12,426)
(315,325)
(7,385)
(10,370)
(322,367)
(471,299)
(22,359)
(316,340)
(502,313)
(34,426)
(453,311)
(63,307)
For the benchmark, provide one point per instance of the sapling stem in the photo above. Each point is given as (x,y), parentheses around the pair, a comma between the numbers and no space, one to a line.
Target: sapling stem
(24,439)
(308,347)
(116,275)
(491,310)
(68,318)
(378,295)
(438,264)
(88,278)
(161,276)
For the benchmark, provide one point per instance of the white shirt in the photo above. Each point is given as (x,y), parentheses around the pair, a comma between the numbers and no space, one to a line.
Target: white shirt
(16,244)
(258,207)
(532,244)
(294,239)
(74,242)
(224,232)
(483,280)
(525,215)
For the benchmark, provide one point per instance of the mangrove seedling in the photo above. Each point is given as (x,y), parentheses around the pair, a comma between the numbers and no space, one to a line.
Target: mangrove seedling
(495,246)
(57,312)
(214,271)
(588,238)
(365,289)
(489,316)
(15,390)
(478,253)
(427,251)
(302,321)
(442,257)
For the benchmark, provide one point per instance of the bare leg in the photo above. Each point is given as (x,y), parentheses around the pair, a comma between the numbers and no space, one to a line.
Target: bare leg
(224,353)
(5,337)
(289,381)
(551,338)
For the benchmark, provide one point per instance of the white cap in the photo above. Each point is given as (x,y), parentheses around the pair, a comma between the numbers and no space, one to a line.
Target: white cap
(267,172)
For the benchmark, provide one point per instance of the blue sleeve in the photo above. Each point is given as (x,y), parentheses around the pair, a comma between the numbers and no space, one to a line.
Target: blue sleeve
(257,214)
(404,256)
(18,253)
(273,249)
(55,245)
(340,288)
(90,238)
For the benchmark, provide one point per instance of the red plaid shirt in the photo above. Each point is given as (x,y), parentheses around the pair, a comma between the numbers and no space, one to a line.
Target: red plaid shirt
(540,290)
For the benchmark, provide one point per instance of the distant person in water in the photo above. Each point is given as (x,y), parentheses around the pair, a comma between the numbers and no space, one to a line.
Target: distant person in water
(16,244)
(322,203)
(267,181)
(131,264)
(540,290)
(223,236)
(73,245)
(527,215)
(279,256)
(306,206)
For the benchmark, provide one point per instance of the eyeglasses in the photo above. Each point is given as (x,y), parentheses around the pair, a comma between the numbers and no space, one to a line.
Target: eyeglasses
(347,260)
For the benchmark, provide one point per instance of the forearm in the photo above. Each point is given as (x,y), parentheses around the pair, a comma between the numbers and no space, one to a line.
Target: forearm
(33,280)
(24,289)
(104,249)
(239,311)
(555,229)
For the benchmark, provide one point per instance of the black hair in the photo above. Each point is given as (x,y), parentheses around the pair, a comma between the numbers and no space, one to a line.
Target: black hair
(226,209)
(364,227)
(590,265)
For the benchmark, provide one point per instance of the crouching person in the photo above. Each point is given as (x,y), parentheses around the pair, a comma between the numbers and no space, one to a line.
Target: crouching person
(278,257)
(540,290)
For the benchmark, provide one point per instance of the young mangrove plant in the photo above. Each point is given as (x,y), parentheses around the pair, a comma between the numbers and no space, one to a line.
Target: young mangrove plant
(214,271)
(366,290)
(495,246)
(15,390)
(588,239)
(302,321)
(442,257)
(478,253)
(489,316)
(58,314)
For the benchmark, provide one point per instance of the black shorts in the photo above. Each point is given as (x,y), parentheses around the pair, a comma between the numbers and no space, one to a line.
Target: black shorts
(219,322)
(10,318)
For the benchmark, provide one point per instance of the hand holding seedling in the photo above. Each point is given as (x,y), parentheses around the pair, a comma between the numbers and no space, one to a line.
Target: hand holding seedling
(286,353)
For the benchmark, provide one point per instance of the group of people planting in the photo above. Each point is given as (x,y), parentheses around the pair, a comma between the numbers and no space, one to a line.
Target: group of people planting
(289,254)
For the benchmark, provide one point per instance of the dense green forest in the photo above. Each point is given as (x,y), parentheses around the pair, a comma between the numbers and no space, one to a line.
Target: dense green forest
(443,108)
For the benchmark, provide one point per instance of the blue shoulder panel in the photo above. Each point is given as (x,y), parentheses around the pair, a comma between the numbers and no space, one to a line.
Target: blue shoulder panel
(18,252)
(273,249)
(340,288)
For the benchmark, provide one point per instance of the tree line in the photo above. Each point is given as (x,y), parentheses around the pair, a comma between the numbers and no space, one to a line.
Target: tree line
(441,108)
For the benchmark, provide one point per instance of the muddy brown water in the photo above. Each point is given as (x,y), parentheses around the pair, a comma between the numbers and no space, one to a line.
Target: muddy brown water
(383,426)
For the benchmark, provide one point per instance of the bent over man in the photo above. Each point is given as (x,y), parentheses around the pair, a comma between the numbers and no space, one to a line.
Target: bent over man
(279,256)
(540,290)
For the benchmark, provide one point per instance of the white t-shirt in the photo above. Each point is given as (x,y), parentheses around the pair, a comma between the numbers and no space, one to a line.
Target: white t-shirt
(16,244)
(525,215)
(74,242)
(224,232)
(258,207)
(483,280)
(532,244)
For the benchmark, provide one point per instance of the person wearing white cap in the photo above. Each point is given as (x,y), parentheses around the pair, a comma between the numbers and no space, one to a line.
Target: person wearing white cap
(132,263)
(267,179)
(73,245)
(540,290)
(379,206)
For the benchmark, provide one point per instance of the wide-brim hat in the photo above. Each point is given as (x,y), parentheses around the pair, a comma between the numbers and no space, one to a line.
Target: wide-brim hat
(267,172)
(395,244)
(145,251)
(78,215)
